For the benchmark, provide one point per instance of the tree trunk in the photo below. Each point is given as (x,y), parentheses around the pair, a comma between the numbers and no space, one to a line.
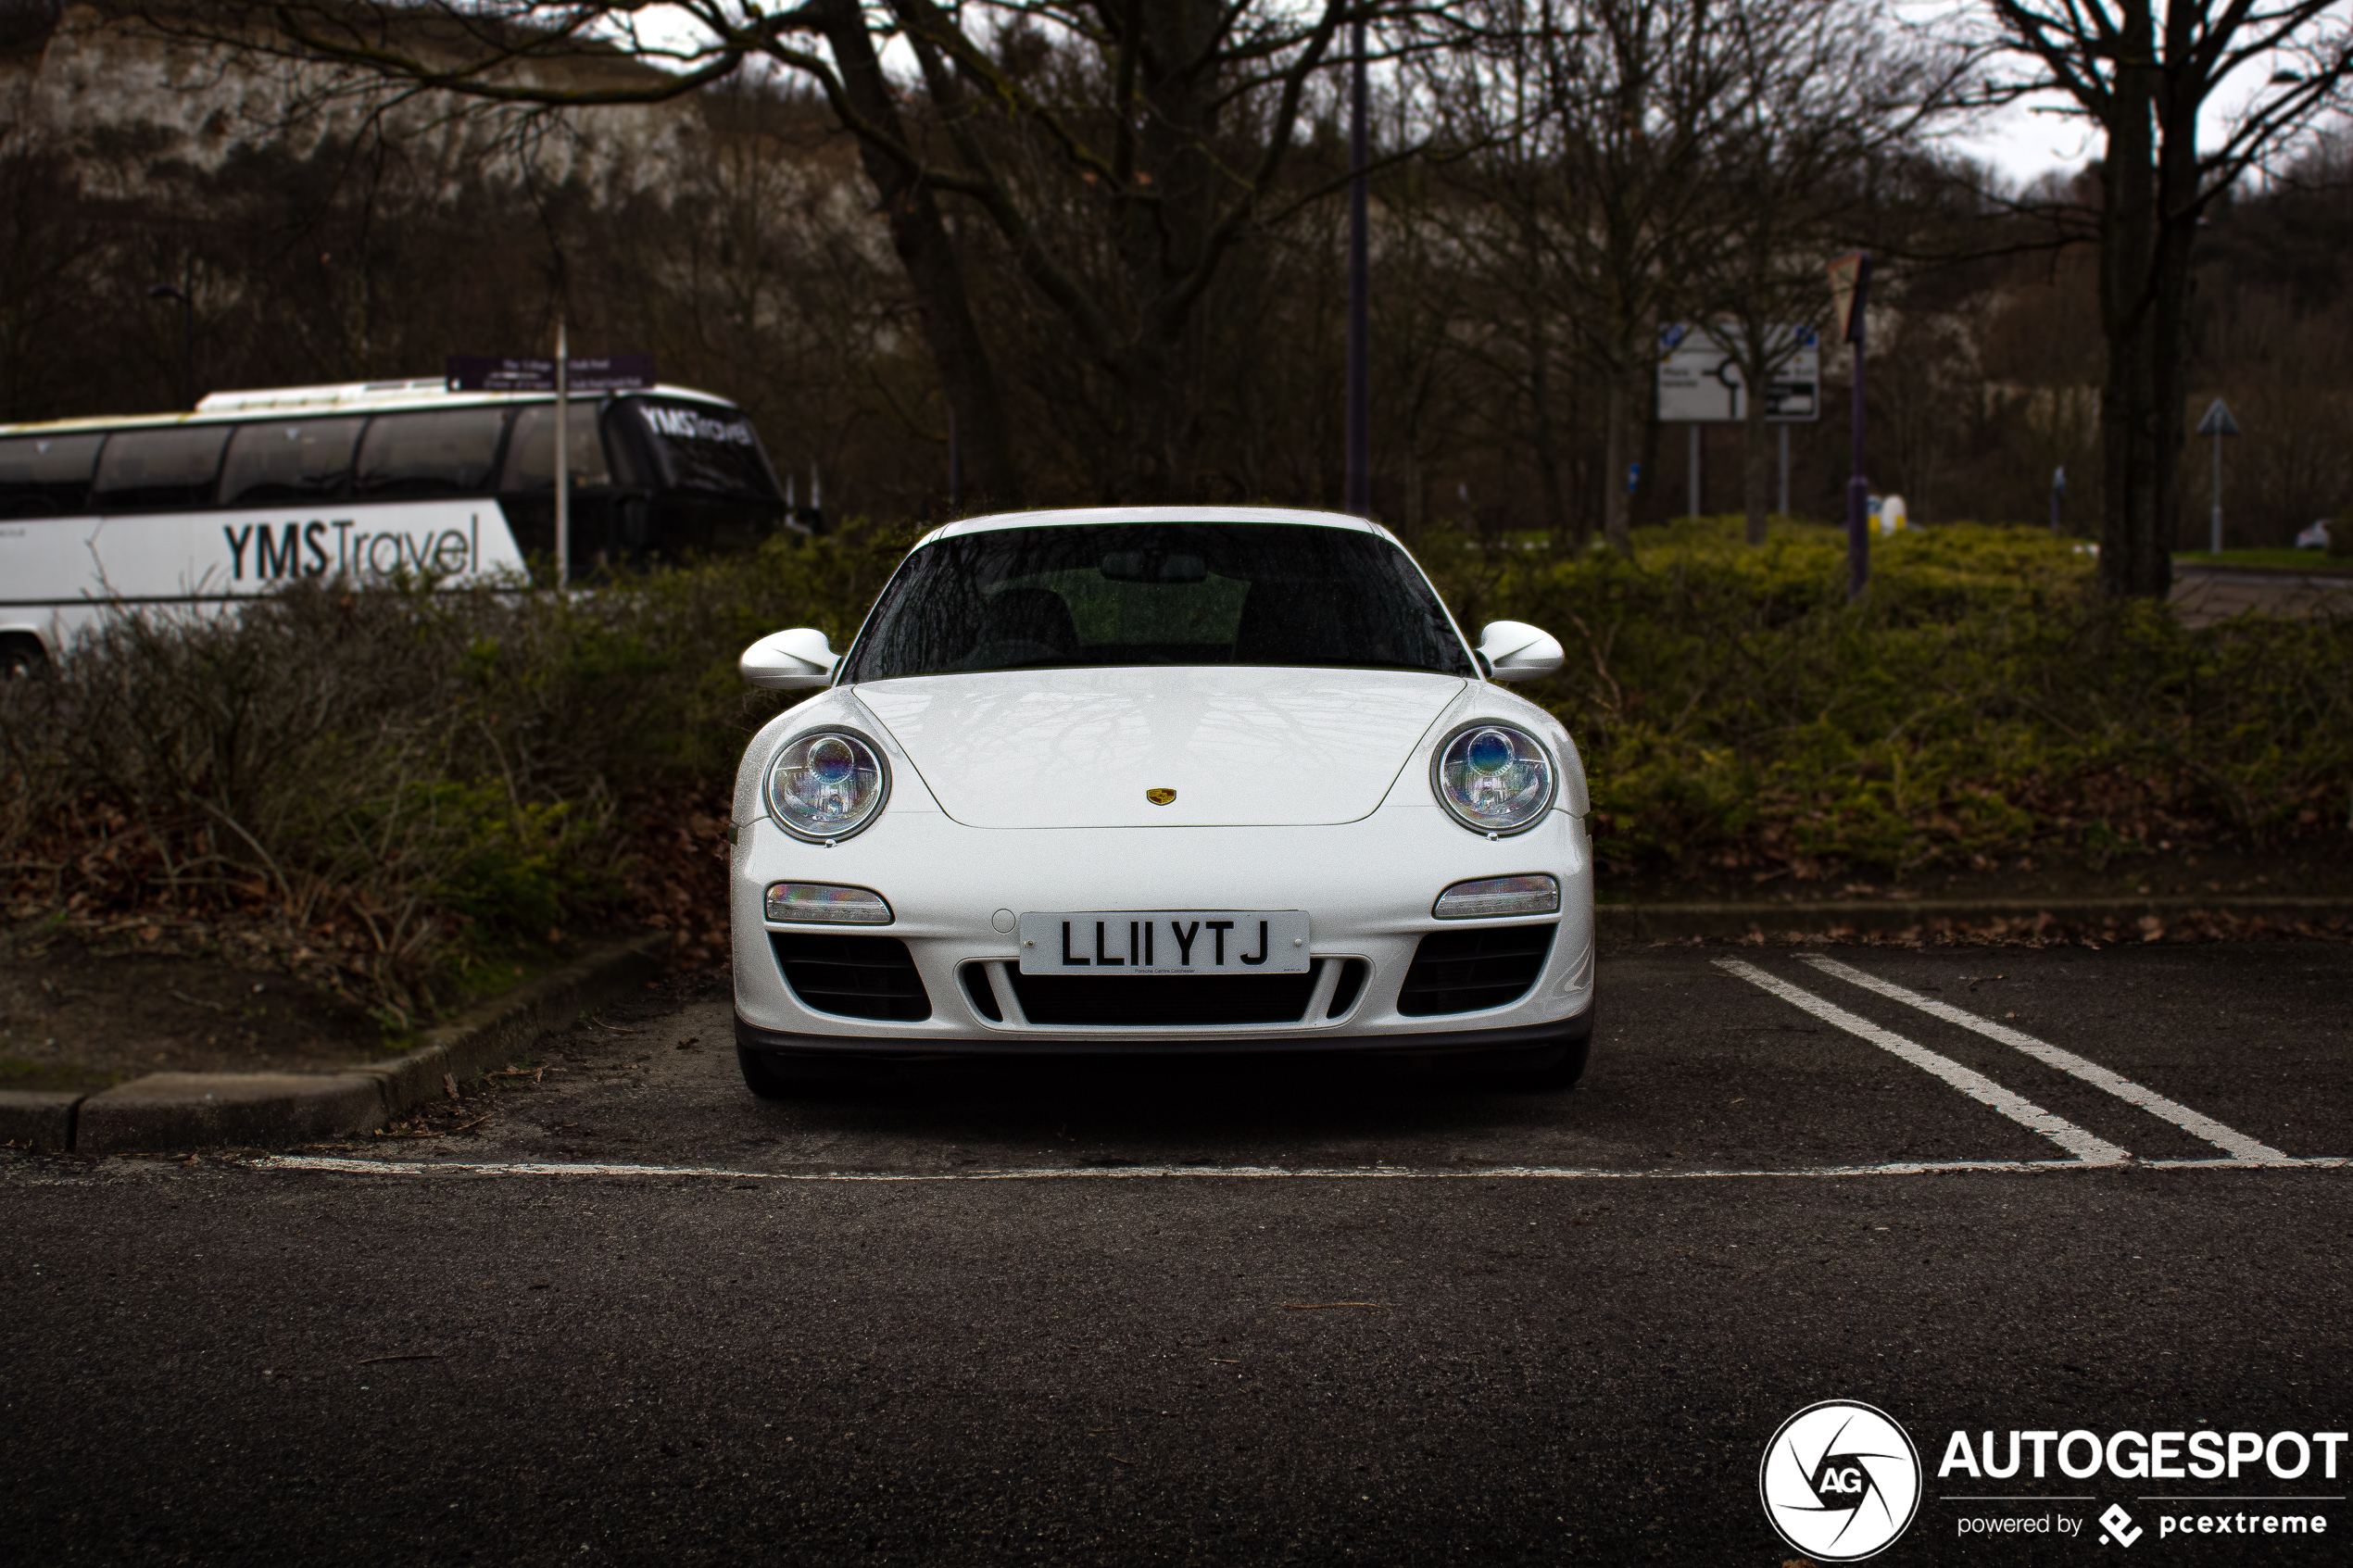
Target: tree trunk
(2177,221)
(919,234)
(2127,263)
(1617,451)
(1160,421)
(1755,468)
(1541,438)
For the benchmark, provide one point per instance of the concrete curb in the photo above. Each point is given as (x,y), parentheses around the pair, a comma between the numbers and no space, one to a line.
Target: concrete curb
(180,1110)
(1886,916)
(37,1118)
(165,1110)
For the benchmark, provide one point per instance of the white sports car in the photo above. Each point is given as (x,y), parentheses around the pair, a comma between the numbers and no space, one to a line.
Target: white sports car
(1160,779)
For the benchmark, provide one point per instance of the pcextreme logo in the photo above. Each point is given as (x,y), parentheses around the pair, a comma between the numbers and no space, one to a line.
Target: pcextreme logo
(1839,1481)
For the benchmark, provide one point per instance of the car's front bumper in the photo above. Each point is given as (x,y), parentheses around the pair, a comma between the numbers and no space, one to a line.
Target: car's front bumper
(1367,886)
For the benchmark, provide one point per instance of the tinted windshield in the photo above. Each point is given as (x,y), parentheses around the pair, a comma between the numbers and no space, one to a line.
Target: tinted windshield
(1021,598)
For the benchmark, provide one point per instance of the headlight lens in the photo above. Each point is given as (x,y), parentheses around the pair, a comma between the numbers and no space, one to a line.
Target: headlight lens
(827,784)
(1494,778)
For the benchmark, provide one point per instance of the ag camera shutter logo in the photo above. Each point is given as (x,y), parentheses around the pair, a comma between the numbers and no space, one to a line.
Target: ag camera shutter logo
(1839,1481)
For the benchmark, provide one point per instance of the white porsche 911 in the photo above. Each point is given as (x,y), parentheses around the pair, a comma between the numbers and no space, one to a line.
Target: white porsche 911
(1160,779)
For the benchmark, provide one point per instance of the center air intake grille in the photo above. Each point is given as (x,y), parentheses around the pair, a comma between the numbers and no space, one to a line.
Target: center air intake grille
(1468,970)
(855,976)
(1143,1002)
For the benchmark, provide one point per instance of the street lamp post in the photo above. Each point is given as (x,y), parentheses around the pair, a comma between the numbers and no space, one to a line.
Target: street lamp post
(1850,288)
(184,294)
(563,458)
(1359,476)
(2218,423)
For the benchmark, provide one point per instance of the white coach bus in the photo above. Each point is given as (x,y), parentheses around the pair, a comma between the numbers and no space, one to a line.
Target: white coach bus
(368,481)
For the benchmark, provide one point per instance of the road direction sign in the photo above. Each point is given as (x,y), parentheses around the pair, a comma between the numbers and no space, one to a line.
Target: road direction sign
(1700,380)
(611,372)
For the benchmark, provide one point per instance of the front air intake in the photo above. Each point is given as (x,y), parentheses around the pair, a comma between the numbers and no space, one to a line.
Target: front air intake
(1471,971)
(853,976)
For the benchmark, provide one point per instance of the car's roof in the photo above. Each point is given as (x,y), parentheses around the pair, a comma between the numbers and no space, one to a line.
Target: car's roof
(1075,516)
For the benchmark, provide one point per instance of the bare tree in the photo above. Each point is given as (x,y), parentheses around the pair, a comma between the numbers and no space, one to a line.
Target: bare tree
(1607,118)
(1169,122)
(2144,72)
(1832,90)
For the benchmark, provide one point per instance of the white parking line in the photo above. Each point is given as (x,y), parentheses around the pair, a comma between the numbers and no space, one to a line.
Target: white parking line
(2084,1145)
(2240,1147)
(1148,1173)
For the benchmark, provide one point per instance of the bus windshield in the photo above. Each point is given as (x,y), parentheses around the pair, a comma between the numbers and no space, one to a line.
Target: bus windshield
(712,450)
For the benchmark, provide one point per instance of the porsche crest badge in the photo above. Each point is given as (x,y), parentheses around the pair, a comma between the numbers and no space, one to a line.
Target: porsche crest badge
(1160,797)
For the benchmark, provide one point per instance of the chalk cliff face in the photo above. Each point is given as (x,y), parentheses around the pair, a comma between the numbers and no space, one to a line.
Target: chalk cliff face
(127,107)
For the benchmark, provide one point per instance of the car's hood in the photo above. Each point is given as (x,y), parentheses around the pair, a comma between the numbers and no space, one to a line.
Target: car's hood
(1029,748)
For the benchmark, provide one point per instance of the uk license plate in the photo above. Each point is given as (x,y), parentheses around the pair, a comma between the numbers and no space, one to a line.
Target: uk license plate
(1165,942)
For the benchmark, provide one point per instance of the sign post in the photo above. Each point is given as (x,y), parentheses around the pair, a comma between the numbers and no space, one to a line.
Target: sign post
(1357,479)
(563,462)
(2218,423)
(1850,289)
(561,375)
(2058,488)
(1701,382)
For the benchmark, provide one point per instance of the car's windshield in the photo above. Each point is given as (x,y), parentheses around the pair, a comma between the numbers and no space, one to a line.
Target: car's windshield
(1206,593)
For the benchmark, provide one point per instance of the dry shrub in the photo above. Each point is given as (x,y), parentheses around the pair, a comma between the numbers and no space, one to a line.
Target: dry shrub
(389,789)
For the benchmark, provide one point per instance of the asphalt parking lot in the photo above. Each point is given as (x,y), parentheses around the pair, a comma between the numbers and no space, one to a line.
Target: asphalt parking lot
(1234,1312)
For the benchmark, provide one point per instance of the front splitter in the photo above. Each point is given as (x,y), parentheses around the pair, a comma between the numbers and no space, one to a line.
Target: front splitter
(1570,1030)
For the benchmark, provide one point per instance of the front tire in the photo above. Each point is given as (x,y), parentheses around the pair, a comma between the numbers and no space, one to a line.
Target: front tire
(775,1075)
(1553,1071)
(1540,1069)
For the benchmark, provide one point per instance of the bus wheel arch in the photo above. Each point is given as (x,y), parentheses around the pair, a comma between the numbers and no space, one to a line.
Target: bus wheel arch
(22,653)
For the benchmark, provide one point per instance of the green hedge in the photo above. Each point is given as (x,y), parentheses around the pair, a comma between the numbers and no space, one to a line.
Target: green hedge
(1979,703)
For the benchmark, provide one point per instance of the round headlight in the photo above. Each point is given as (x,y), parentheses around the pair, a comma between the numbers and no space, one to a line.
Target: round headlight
(827,784)
(1494,778)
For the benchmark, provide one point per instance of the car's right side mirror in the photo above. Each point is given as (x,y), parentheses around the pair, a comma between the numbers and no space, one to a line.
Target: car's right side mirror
(1513,650)
(784,661)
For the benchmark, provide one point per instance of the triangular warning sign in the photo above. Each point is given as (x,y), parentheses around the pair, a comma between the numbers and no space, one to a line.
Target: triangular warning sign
(2218,421)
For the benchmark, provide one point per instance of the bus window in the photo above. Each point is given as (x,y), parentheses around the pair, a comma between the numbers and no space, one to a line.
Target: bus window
(173,466)
(529,462)
(708,450)
(446,452)
(300,460)
(47,475)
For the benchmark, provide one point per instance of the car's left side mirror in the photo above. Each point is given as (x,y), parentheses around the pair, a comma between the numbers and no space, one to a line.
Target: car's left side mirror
(784,661)
(1513,650)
